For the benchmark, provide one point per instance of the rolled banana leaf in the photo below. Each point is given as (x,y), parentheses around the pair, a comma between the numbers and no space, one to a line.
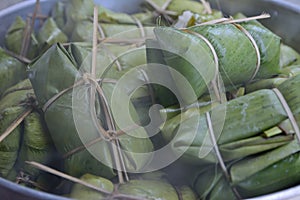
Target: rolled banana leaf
(290,91)
(134,189)
(61,120)
(180,6)
(9,147)
(231,63)
(226,47)
(50,34)
(269,47)
(285,74)
(156,186)
(36,145)
(290,71)
(82,192)
(128,58)
(258,175)
(108,16)
(239,137)
(265,84)
(13,104)
(14,38)
(76,11)
(11,71)
(187,55)
(177,7)
(149,189)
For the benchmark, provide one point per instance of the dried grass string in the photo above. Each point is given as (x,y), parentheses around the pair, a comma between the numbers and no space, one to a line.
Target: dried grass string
(218,154)
(288,112)
(117,154)
(15,124)
(28,31)
(258,56)
(81,182)
(214,81)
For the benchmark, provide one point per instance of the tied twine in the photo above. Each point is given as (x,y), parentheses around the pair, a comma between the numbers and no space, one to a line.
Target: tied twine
(219,156)
(242,29)
(110,195)
(162,11)
(288,112)
(138,42)
(110,135)
(216,148)
(215,81)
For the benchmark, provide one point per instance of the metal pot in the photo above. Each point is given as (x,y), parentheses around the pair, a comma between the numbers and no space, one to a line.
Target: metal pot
(284,22)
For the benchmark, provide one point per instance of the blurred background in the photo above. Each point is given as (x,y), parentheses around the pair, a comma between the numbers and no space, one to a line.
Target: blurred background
(6,3)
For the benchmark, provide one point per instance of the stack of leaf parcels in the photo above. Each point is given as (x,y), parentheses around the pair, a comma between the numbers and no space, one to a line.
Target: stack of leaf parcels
(237,136)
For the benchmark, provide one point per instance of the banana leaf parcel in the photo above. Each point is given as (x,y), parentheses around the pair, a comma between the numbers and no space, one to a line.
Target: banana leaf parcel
(12,106)
(50,34)
(266,173)
(173,10)
(15,35)
(73,123)
(141,188)
(201,52)
(11,71)
(256,163)
(238,127)
(29,140)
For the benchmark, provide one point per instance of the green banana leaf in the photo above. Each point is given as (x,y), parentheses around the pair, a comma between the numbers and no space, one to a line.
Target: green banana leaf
(155,185)
(145,188)
(269,48)
(59,117)
(290,71)
(108,16)
(149,189)
(36,145)
(288,56)
(50,34)
(77,10)
(15,101)
(180,6)
(264,84)
(187,55)
(128,58)
(11,71)
(240,134)
(14,38)
(232,64)
(154,55)
(82,192)
(58,14)
(263,174)
(83,31)
(9,147)
(290,91)
(258,174)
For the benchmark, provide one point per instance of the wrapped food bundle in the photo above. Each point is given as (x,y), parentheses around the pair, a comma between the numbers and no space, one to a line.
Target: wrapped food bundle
(28,138)
(241,146)
(15,36)
(254,51)
(252,156)
(53,85)
(11,71)
(145,187)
